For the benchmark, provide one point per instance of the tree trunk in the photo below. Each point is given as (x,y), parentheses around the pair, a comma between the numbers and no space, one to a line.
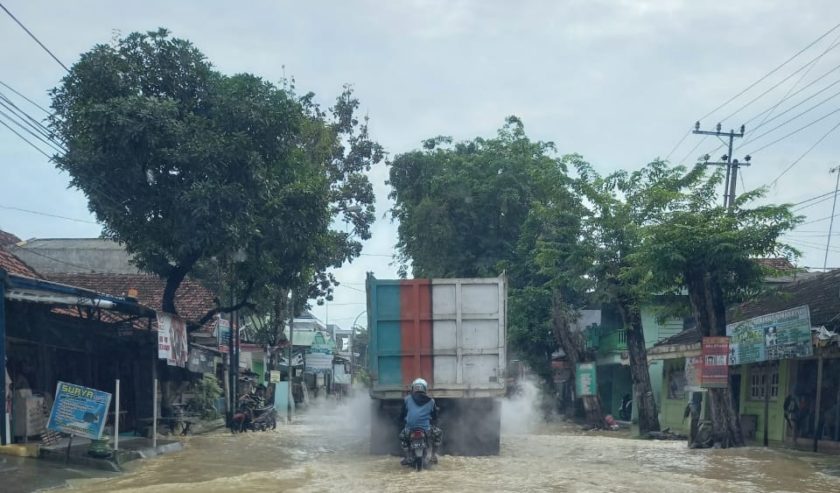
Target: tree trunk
(572,345)
(174,278)
(709,310)
(639,372)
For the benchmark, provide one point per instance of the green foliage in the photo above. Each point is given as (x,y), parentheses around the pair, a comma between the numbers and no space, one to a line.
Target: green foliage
(185,165)
(205,392)
(695,239)
(461,207)
(487,206)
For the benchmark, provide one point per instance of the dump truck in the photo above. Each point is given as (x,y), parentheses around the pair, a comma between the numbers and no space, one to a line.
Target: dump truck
(450,332)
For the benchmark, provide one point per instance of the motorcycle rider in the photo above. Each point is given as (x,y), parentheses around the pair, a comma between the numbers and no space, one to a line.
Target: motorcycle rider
(419,410)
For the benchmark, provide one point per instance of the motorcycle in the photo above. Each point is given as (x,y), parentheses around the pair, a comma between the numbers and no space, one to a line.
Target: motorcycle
(420,448)
(252,416)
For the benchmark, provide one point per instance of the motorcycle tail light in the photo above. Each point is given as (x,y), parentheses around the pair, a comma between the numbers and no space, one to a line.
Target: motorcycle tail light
(417,434)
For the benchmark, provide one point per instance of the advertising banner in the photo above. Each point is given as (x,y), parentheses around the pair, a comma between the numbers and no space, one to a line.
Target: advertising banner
(715,368)
(693,364)
(172,339)
(79,411)
(780,335)
(223,334)
(319,358)
(586,382)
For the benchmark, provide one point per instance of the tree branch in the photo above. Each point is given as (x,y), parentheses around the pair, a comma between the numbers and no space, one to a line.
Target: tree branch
(228,309)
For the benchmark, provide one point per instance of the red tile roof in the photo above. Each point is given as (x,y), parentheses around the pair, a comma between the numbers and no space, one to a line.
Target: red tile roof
(8,239)
(779,263)
(193,300)
(14,265)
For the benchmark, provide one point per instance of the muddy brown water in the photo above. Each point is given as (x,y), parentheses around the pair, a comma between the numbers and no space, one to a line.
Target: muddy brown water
(326,450)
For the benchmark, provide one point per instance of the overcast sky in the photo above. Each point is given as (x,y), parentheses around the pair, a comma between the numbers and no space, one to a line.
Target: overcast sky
(620,82)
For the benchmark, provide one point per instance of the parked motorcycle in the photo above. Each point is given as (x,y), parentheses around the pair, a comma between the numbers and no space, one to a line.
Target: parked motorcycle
(253,416)
(420,448)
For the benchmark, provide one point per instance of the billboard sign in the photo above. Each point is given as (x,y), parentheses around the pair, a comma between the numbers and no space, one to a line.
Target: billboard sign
(780,335)
(79,411)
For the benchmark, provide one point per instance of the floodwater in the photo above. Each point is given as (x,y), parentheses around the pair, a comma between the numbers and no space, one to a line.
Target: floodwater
(325,449)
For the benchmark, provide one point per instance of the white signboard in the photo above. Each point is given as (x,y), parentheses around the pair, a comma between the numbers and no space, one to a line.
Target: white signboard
(172,339)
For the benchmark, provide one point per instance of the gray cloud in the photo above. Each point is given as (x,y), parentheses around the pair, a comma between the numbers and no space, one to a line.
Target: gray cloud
(618,81)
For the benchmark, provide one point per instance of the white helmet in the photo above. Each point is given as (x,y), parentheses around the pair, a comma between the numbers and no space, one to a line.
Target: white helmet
(419,385)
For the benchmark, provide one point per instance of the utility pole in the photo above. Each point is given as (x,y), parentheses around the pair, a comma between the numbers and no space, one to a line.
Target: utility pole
(835,169)
(732,165)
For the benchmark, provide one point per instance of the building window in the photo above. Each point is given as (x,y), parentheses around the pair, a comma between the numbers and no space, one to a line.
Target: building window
(758,381)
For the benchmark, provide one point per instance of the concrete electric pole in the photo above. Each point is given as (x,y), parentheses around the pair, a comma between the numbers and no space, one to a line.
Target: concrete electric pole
(732,165)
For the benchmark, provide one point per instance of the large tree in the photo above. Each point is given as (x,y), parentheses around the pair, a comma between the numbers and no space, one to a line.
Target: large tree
(185,165)
(619,206)
(479,208)
(710,251)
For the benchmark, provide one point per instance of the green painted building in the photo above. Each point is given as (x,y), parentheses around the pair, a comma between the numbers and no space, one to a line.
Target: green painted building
(609,341)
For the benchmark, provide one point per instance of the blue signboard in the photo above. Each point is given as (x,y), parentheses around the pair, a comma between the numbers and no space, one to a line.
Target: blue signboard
(79,411)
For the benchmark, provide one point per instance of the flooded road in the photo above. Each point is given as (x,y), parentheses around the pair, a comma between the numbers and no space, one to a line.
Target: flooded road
(324,451)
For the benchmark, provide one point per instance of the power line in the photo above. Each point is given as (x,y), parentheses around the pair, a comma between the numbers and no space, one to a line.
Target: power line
(793,118)
(798,81)
(813,198)
(791,96)
(688,154)
(9,104)
(678,144)
(783,173)
(776,85)
(773,71)
(28,211)
(25,139)
(28,130)
(795,132)
(7,86)
(34,37)
(817,202)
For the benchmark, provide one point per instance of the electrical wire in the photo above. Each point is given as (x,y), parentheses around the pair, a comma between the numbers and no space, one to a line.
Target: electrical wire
(789,120)
(795,132)
(26,129)
(771,72)
(19,23)
(28,211)
(783,173)
(776,85)
(33,103)
(25,139)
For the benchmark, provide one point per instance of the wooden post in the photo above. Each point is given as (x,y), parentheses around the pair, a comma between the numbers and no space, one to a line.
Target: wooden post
(817,429)
(767,375)
(67,455)
(154,413)
(837,415)
(117,416)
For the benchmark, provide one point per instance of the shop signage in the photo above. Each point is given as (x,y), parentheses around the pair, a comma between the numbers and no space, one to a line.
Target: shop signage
(781,335)
(79,411)
(319,358)
(223,334)
(715,366)
(586,382)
